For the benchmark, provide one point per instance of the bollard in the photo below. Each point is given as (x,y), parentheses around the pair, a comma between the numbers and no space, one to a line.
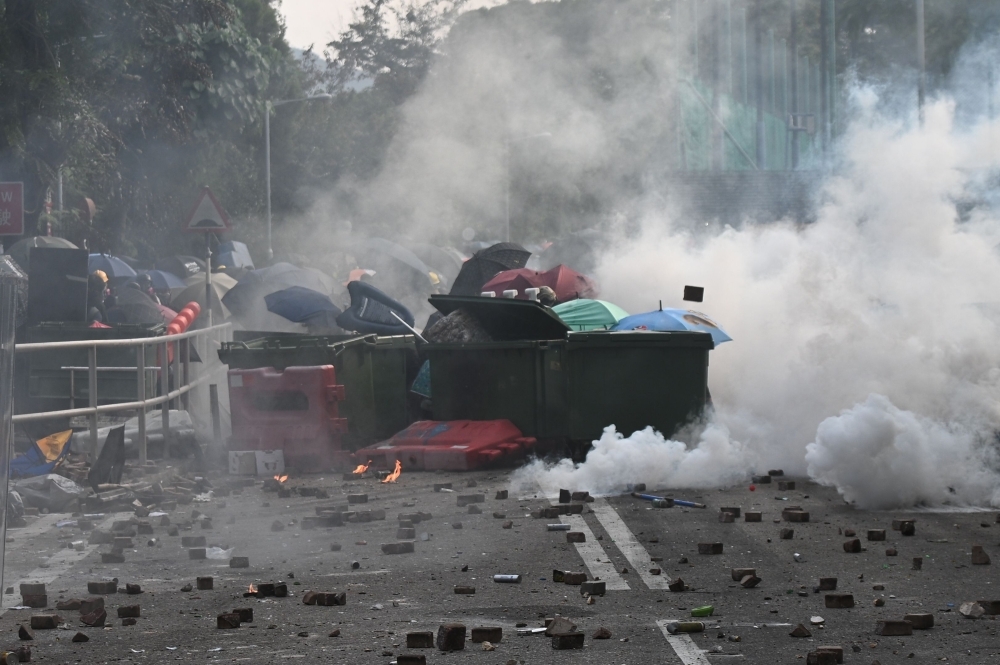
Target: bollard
(213,404)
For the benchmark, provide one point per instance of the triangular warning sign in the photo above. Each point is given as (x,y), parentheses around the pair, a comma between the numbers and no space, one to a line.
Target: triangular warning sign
(207,215)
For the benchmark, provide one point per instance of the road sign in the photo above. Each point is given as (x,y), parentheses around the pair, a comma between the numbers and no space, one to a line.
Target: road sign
(11,208)
(207,216)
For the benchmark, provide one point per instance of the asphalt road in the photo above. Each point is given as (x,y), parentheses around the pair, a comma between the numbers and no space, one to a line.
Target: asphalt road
(391,595)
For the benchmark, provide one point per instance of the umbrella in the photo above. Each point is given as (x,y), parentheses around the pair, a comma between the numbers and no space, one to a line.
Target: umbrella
(486,263)
(438,259)
(674,319)
(567,284)
(134,306)
(373,252)
(167,313)
(233,254)
(372,311)
(20,251)
(163,280)
(248,294)
(195,292)
(298,303)
(181,265)
(585,314)
(112,266)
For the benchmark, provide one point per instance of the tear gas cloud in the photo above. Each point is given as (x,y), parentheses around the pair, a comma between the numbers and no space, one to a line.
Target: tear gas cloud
(865,349)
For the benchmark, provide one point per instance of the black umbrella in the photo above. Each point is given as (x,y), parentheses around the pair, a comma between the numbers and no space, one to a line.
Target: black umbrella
(20,251)
(442,261)
(181,265)
(485,264)
(133,306)
(386,255)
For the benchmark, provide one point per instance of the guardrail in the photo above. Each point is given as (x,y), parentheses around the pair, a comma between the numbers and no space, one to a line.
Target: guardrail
(207,337)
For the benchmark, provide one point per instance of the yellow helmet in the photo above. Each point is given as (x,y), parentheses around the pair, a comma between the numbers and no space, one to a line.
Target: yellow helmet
(103,275)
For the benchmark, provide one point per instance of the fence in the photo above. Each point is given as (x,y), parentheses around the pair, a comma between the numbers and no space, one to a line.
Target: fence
(208,339)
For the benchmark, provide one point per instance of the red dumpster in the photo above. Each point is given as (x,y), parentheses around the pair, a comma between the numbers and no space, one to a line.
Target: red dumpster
(455,445)
(295,411)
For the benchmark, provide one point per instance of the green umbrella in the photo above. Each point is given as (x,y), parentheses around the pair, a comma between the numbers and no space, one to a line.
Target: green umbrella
(584,314)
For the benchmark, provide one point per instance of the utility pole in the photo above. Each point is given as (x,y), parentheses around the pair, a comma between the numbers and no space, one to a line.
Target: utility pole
(715,62)
(827,72)
(758,37)
(794,97)
(921,60)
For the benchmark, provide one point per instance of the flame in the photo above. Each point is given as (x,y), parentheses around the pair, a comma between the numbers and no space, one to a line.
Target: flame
(281,479)
(362,468)
(391,478)
(252,589)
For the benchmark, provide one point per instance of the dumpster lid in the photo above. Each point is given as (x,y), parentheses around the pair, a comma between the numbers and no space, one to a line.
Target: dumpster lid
(506,319)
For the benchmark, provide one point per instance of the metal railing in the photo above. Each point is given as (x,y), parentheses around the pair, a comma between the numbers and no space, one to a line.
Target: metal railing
(209,338)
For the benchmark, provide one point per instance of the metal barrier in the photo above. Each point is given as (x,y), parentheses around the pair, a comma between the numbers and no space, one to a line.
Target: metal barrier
(209,337)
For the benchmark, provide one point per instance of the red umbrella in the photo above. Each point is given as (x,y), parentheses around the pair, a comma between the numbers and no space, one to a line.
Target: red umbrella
(568,284)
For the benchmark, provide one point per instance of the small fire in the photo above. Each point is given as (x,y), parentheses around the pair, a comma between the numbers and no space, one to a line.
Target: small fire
(280,479)
(252,589)
(391,478)
(362,468)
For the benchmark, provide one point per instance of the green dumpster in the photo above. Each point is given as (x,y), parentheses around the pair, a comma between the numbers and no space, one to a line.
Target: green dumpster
(634,380)
(520,377)
(376,373)
(554,384)
(521,381)
(49,376)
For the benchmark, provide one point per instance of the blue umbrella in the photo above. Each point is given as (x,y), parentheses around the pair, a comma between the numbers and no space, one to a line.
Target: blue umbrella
(673,319)
(298,303)
(112,266)
(233,254)
(164,281)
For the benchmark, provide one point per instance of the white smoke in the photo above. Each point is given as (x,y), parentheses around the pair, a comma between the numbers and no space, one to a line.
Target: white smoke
(879,311)
(614,461)
(879,456)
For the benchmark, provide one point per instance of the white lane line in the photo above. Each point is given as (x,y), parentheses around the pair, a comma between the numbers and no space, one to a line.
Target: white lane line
(593,554)
(683,645)
(57,565)
(627,543)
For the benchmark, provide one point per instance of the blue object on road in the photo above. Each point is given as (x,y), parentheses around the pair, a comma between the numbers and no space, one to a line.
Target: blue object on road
(297,303)
(164,281)
(666,320)
(112,266)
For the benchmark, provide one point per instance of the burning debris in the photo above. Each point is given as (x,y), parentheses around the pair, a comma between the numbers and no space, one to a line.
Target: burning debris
(394,475)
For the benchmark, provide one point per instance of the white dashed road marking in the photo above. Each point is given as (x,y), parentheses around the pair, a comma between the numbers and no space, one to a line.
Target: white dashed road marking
(683,645)
(595,557)
(626,542)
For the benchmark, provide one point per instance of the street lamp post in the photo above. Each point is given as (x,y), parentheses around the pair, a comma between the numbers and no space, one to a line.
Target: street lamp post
(507,141)
(267,154)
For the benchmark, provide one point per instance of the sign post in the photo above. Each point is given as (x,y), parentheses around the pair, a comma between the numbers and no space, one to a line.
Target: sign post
(207,216)
(11,208)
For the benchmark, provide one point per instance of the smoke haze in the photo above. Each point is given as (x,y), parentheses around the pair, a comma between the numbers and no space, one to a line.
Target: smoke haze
(865,349)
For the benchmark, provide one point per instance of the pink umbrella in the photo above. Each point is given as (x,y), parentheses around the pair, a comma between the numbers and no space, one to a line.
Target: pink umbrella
(568,284)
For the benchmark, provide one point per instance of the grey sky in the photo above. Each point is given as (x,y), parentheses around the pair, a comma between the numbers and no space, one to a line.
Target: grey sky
(319,21)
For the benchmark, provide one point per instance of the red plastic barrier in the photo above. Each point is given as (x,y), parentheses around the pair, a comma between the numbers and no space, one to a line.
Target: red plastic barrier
(179,324)
(295,411)
(456,445)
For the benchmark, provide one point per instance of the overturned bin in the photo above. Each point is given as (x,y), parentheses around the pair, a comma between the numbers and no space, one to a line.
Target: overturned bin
(555,384)
(376,373)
